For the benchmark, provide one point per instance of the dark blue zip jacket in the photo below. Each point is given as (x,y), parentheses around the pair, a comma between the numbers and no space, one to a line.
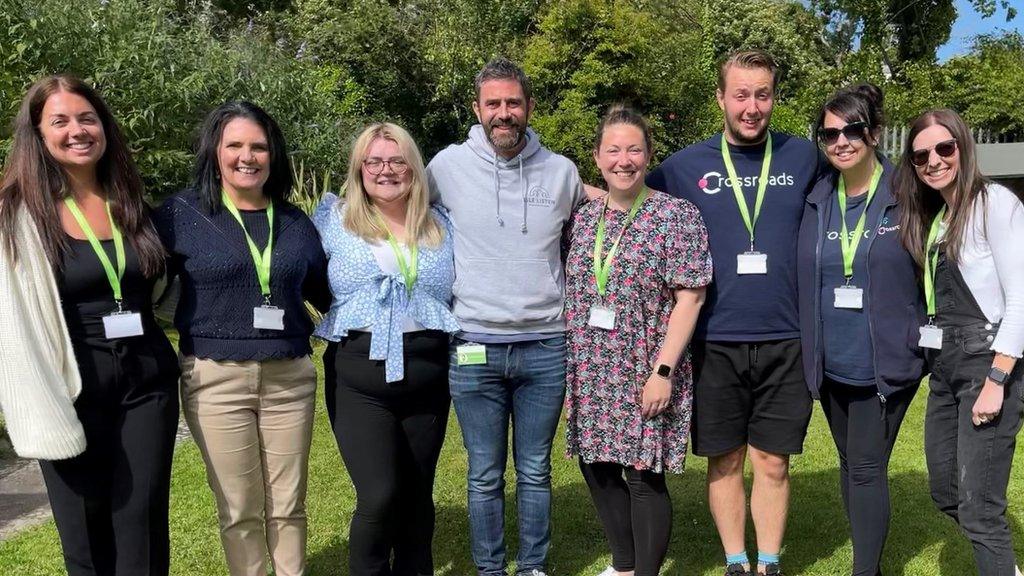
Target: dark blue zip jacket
(893,298)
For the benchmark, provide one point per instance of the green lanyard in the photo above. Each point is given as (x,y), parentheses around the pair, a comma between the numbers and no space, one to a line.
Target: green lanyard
(603,267)
(762,184)
(262,261)
(931,263)
(410,271)
(114,277)
(846,244)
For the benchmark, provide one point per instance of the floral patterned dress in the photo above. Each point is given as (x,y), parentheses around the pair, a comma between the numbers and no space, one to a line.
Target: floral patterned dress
(664,249)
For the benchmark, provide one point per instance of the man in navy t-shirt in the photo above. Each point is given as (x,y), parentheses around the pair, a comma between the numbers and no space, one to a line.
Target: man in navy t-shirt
(749,391)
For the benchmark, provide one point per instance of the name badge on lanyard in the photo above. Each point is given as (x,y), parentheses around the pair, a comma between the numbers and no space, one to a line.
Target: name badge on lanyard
(123,323)
(849,296)
(602,316)
(267,316)
(750,262)
(931,335)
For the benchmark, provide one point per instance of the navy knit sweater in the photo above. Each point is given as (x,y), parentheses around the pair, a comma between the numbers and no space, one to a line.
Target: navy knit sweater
(219,286)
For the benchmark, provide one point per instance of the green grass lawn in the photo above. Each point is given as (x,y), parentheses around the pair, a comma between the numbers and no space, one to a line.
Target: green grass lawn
(921,542)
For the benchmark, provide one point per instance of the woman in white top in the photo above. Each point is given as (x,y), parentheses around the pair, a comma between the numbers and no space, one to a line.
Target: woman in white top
(967,233)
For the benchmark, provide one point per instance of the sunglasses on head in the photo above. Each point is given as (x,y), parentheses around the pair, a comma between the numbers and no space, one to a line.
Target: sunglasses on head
(852,131)
(946,148)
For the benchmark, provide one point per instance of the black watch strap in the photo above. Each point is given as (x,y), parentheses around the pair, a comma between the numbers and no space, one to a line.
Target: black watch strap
(998,376)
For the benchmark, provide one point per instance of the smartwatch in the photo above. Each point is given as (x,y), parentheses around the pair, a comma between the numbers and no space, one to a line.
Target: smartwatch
(998,376)
(664,370)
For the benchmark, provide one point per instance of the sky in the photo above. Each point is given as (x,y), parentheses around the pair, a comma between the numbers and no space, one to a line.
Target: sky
(969,24)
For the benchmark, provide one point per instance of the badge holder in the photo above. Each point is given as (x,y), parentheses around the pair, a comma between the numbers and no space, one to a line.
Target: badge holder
(849,297)
(602,317)
(931,336)
(268,317)
(752,262)
(470,354)
(122,324)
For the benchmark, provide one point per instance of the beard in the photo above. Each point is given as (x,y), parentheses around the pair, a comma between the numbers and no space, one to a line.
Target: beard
(736,129)
(508,141)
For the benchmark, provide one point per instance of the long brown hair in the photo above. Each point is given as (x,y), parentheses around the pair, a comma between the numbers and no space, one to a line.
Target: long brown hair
(32,178)
(921,203)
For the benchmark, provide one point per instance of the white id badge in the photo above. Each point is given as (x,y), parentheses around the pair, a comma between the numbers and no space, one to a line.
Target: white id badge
(752,263)
(602,317)
(931,337)
(268,318)
(849,297)
(122,325)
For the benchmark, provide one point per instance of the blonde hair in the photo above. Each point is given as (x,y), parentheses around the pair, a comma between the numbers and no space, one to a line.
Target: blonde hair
(361,217)
(748,59)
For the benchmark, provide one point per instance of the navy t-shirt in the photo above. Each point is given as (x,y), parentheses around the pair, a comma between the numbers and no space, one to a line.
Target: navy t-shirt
(748,308)
(847,340)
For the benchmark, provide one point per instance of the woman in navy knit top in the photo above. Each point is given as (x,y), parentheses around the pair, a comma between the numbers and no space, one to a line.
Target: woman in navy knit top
(247,260)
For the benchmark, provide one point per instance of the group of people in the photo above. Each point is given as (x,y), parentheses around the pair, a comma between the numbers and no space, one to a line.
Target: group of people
(711,299)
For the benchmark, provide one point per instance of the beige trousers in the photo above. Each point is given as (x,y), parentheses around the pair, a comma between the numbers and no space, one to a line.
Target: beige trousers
(253,423)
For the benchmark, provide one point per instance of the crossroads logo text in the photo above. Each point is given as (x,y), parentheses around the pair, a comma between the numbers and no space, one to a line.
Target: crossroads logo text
(713,182)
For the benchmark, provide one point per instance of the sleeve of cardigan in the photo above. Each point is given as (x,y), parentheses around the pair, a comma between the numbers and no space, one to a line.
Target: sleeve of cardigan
(1004,231)
(38,372)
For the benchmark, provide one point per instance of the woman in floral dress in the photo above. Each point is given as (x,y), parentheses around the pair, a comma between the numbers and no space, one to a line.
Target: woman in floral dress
(629,319)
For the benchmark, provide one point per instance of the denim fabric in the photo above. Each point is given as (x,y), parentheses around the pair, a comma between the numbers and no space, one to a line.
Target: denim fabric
(968,465)
(524,381)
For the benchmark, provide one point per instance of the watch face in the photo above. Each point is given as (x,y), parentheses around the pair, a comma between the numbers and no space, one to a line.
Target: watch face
(664,370)
(998,376)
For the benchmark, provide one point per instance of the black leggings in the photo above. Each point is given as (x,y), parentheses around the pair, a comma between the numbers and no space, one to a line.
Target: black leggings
(865,430)
(390,437)
(636,512)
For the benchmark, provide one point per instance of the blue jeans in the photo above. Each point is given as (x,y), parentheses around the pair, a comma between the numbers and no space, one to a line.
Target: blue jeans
(524,380)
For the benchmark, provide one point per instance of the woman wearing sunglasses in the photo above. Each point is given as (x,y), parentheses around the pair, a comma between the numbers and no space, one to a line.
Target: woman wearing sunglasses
(967,234)
(391,269)
(860,306)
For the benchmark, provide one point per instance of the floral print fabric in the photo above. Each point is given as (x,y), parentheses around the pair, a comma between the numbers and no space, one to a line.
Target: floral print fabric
(664,249)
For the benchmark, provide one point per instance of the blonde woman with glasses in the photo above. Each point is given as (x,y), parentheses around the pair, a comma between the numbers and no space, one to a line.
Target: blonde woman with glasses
(391,271)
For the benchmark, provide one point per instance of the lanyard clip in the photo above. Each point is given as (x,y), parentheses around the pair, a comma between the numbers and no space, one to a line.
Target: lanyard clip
(848,279)
(266,300)
(751,243)
(120,308)
(931,320)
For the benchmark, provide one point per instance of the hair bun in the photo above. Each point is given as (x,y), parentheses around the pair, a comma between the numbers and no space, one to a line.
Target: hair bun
(871,93)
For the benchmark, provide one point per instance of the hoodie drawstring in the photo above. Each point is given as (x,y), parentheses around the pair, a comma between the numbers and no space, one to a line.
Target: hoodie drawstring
(497,193)
(523,228)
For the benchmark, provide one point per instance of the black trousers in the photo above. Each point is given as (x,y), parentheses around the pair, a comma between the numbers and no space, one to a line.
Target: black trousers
(636,512)
(111,502)
(390,437)
(864,429)
(969,466)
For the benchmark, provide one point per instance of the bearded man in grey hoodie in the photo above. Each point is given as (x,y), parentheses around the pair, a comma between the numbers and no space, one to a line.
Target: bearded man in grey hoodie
(509,199)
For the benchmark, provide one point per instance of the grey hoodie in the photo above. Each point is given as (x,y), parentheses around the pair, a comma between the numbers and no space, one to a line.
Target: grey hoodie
(508,218)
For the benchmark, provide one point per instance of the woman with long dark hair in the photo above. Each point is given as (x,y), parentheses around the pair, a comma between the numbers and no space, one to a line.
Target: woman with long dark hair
(859,305)
(71,176)
(966,234)
(247,260)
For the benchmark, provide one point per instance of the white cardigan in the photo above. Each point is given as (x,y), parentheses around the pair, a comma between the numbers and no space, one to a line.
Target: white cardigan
(39,377)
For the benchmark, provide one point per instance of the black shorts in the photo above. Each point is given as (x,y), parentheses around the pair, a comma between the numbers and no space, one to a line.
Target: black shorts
(749,393)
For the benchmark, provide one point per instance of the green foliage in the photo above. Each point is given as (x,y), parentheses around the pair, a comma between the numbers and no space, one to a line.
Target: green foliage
(591,53)
(161,72)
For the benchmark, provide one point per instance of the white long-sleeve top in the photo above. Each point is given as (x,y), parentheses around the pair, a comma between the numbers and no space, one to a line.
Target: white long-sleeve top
(992,264)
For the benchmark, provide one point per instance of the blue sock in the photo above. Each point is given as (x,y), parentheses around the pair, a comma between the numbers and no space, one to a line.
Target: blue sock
(738,558)
(764,558)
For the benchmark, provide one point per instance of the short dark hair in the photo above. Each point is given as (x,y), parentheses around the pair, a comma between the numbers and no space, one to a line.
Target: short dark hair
(206,173)
(856,103)
(502,68)
(623,114)
(748,59)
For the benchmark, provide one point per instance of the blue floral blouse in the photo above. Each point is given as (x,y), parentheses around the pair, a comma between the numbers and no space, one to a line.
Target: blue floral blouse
(364,296)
